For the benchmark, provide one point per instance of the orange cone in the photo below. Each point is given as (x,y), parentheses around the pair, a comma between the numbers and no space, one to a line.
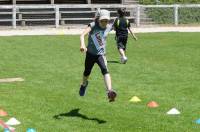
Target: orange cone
(3,113)
(152,104)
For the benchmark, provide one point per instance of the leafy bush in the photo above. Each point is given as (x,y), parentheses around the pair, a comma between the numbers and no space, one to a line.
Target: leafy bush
(166,15)
(145,2)
(161,15)
(189,15)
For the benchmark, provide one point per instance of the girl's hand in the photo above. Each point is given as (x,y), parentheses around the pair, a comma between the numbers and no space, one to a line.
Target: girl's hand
(83,49)
(82,46)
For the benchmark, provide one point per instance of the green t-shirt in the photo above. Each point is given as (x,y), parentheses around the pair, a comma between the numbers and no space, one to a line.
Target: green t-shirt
(121,26)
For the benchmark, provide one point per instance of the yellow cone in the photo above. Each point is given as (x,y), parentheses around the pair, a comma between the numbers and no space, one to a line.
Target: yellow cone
(135,99)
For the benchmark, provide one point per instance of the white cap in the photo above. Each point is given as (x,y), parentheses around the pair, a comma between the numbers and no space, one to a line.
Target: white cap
(104,14)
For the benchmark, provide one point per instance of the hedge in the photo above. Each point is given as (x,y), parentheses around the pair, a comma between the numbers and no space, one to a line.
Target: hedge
(147,2)
(166,15)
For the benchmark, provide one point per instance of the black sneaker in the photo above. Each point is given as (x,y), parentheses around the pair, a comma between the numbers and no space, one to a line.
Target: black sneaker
(82,89)
(112,95)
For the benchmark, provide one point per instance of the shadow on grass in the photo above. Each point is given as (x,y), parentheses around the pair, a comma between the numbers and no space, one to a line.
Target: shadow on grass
(75,113)
(114,62)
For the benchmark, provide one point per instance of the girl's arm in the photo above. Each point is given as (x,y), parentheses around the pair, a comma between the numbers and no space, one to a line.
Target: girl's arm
(132,34)
(82,39)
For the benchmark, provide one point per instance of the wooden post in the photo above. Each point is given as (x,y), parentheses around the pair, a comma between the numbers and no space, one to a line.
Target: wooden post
(176,15)
(62,21)
(138,16)
(52,1)
(14,2)
(57,17)
(14,17)
(89,1)
(23,23)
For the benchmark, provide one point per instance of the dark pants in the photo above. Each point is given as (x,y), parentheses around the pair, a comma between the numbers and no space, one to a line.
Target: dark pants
(90,60)
(121,42)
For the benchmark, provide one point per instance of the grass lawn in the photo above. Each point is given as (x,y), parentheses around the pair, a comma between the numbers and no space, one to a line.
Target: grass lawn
(164,67)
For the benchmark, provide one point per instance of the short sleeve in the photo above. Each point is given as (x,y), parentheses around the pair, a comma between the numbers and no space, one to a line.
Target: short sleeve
(92,24)
(128,23)
(115,23)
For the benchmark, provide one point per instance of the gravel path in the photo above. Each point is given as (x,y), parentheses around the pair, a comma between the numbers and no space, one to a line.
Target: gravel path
(75,31)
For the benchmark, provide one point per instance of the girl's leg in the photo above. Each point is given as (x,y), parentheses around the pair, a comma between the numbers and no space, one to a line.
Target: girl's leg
(89,63)
(108,82)
(121,44)
(122,52)
(123,55)
(84,80)
(111,93)
(102,62)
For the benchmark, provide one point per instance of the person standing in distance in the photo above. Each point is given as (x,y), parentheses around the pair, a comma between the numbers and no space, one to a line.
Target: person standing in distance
(122,26)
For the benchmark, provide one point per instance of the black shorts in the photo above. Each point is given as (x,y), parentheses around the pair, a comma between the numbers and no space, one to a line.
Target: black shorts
(91,59)
(121,42)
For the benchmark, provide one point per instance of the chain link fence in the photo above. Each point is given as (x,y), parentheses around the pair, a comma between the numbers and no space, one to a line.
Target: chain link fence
(167,15)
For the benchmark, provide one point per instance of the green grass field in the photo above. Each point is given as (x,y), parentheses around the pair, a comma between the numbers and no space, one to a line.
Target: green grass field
(164,67)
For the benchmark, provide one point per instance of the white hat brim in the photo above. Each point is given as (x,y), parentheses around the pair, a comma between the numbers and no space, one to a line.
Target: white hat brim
(104,17)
